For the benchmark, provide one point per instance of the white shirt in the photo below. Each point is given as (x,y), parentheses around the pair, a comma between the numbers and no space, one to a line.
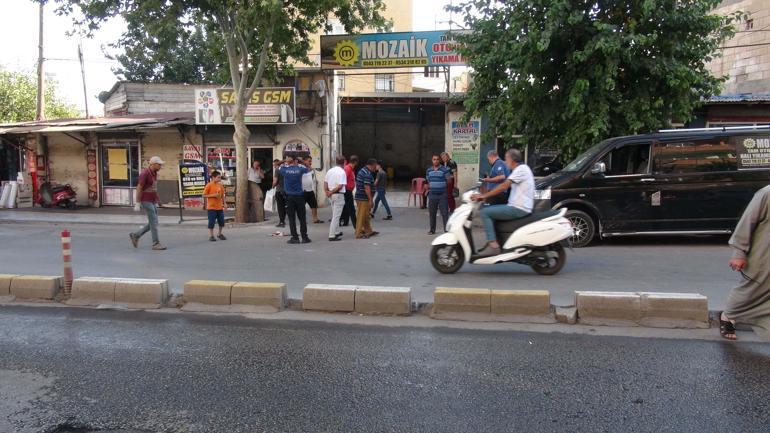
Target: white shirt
(254,176)
(522,194)
(308,181)
(335,177)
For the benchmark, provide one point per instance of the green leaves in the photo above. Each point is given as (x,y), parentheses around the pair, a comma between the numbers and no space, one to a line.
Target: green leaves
(573,72)
(18,95)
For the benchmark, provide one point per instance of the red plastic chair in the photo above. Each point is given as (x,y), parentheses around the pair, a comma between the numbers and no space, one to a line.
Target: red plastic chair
(417,190)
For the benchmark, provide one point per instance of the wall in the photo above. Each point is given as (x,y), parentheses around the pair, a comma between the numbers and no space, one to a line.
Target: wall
(167,144)
(317,140)
(748,67)
(67,164)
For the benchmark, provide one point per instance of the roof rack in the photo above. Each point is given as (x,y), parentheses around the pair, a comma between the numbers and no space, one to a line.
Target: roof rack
(720,128)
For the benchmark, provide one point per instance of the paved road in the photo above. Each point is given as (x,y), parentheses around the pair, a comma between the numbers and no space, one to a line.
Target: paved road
(138,371)
(398,257)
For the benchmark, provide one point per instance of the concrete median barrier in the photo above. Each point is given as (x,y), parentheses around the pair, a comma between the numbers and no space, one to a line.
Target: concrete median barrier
(5,284)
(383,300)
(522,306)
(608,308)
(141,292)
(35,286)
(329,297)
(674,310)
(462,304)
(259,294)
(92,291)
(208,292)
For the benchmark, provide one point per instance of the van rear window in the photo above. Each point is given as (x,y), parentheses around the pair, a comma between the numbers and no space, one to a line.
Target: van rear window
(697,156)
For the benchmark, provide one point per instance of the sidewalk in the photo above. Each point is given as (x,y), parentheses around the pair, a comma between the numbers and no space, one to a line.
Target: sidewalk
(103,215)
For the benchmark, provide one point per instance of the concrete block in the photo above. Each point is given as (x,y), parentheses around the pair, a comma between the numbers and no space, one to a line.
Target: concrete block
(566,315)
(92,291)
(35,286)
(141,293)
(608,308)
(328,297)
(383,300)
(208,292)
(5,284)
(674,310)
(456,300)
(521,302)
(267,294)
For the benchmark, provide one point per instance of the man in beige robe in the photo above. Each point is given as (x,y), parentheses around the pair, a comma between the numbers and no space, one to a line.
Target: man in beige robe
(749,303)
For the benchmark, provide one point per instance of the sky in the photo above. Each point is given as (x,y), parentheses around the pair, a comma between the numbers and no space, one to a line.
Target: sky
(20,19)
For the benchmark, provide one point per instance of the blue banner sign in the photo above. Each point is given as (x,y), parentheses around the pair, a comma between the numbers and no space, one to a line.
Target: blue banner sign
(391,50)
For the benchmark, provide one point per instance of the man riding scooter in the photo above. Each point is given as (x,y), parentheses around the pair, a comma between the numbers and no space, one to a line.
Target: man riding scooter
(521,200)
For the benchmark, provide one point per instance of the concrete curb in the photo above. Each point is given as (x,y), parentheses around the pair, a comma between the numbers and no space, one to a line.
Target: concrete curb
(359,299)
(651,309)
(234,296)
(35,286)
(5,284)
(492,305)
(135,293)
(329,297)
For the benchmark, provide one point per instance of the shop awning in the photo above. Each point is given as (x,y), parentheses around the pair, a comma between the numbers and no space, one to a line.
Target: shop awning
(129,122)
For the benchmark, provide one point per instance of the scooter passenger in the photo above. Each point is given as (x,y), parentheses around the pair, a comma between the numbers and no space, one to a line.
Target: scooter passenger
(521,199)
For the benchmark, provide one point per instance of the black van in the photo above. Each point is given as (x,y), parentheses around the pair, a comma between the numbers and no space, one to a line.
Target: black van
(675,182)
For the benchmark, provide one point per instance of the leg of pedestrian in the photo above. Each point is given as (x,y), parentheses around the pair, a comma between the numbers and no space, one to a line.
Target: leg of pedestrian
(280,202)
(384,198)
(291,210)
(444,208)
(221,222)
(432,210)
(212,216)
(337,204)
(302,216)
(362,213)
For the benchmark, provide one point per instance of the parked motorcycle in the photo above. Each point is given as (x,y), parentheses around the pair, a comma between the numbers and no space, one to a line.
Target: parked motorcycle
(536,240)
(57,195)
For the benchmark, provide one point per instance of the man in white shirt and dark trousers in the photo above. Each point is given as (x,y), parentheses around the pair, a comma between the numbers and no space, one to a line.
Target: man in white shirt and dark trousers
(256,199)
(334,186)
(521,199)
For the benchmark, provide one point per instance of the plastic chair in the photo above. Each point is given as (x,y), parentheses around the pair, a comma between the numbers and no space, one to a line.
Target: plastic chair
(416,191)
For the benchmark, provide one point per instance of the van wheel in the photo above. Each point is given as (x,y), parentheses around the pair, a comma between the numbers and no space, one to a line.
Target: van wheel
(584,227)
(447,259)
(552,265)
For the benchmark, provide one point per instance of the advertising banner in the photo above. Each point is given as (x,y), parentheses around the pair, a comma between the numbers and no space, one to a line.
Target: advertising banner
(753,152)
(192,181)
(267,106)
(391,50)
(465,140)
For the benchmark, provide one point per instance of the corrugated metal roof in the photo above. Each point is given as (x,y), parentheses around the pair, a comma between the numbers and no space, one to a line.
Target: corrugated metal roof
(740,97)
(137,121)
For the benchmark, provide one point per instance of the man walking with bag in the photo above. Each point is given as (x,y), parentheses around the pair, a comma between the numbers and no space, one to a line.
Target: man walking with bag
(147,199)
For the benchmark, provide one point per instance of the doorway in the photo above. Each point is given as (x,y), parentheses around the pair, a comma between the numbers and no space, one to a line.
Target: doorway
(265,157)
(120,161)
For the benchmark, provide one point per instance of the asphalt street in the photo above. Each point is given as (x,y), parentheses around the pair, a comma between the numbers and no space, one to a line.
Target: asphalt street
(79,370)
(398,257)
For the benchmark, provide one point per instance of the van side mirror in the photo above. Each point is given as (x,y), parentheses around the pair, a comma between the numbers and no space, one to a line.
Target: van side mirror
(599,168)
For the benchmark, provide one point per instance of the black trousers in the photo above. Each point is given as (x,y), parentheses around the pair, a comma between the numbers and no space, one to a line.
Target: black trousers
(295,206)
(438,202)
(280,201)
(349,211)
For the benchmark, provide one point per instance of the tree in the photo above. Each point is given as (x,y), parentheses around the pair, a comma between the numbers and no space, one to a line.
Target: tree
(18,96)
(572,72)
(260,40)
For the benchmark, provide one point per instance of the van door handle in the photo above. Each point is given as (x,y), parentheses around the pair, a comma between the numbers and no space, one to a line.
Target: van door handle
(647,179)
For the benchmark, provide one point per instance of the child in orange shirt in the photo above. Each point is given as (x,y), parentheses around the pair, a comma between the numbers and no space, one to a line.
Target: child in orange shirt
(214,193)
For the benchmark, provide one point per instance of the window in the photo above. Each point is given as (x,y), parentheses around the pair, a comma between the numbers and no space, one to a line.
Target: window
(628,160)
(694,157)
(749,24)
(431,72)
(383,83)
(340,81)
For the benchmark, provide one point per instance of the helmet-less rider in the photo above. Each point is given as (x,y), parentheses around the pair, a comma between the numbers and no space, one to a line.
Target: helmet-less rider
(520,200)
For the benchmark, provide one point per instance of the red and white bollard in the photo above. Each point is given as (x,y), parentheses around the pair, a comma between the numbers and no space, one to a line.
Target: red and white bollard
(66,254)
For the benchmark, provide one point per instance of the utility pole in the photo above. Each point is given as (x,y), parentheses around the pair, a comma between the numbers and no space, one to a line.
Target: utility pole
(40,115)
(83,75)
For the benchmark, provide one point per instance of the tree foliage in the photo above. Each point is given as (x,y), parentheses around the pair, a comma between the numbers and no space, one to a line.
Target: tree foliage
(568,73)
(255,40)
(18,99)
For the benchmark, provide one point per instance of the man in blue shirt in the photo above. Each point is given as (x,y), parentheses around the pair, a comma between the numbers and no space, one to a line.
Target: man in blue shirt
(295,198)
(437,192)
(364,194)
(497,175)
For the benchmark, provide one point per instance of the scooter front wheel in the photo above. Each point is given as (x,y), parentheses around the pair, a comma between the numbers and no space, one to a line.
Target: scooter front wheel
(553,264)
(447,259)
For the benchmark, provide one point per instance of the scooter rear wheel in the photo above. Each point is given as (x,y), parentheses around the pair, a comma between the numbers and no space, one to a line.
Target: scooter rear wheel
(553,265)
(447,259)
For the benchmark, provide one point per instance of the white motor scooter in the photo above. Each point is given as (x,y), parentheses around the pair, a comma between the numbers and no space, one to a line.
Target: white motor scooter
(536,240)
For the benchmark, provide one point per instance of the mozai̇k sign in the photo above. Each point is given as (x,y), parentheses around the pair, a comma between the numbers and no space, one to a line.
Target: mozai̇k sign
(390,50)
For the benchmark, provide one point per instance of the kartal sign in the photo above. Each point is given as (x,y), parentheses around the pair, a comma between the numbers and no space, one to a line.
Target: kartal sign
(390,50)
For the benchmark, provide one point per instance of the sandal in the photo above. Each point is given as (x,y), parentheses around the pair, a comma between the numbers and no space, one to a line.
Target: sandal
(727,329)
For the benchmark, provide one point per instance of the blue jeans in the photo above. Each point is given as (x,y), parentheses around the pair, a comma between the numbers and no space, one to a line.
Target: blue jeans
(381,198)
(438,202)
(216,216)
(500,212)
(151,210)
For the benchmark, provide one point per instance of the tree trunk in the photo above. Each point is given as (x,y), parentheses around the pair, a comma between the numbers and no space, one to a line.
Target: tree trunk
(241,138)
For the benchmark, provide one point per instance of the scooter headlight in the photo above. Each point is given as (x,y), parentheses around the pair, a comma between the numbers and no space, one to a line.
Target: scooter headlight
(543,194)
